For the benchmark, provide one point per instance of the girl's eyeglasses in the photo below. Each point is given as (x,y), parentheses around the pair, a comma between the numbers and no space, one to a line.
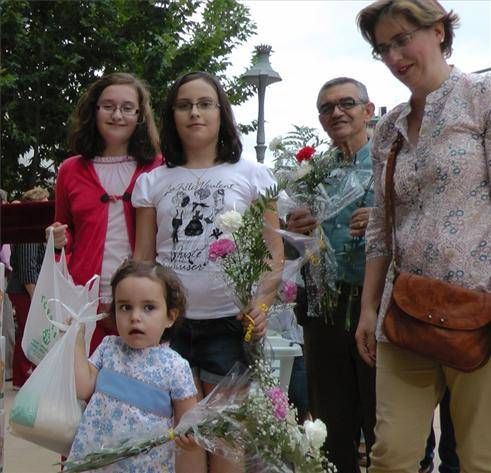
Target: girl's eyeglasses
(202,105)
(127,110)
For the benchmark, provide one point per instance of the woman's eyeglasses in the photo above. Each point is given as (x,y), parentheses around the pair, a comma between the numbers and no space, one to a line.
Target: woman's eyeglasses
(381,51)
(186,106)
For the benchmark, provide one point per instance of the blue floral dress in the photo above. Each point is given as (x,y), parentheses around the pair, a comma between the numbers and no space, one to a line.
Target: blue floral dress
(107,418)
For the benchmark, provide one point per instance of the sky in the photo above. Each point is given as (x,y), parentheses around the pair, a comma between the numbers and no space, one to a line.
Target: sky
(316,40)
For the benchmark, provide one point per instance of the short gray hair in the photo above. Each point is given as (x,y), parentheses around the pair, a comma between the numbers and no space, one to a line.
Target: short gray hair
(344,80)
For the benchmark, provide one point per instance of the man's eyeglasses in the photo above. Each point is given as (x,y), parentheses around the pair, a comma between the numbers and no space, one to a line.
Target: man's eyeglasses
(346,103)
(126,109)
(202,105)
(381,51)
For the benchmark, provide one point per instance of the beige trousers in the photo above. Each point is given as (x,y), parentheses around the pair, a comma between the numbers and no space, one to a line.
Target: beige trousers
(408,388)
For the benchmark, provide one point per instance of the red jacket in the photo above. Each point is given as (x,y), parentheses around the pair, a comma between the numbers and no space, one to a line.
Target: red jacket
(82,203)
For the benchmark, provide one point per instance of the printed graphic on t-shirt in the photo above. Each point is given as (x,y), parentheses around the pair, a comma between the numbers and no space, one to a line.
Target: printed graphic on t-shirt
(194,208)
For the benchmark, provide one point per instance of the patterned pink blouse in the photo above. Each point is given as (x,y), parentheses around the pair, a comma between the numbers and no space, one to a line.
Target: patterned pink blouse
(442,187)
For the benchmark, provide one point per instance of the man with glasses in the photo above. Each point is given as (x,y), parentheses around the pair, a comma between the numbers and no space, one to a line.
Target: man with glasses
(341,385)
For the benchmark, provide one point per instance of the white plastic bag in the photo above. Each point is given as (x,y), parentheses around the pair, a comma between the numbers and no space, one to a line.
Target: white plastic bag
(2,293)
(54,282)
(46,410)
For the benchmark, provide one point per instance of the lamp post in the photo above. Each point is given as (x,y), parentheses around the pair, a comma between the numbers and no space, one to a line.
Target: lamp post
(261,74)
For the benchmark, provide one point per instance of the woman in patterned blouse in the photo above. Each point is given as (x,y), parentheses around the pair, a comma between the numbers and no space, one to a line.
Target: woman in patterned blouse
(443,228)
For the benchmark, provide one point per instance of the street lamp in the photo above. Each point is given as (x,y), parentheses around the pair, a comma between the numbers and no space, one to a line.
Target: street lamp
(261,75)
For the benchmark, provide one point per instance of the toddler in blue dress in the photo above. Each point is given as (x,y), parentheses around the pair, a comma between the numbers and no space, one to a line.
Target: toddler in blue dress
(135,381)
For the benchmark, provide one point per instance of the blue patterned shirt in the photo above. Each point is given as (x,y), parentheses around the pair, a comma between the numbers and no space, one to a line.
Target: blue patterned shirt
(350,252)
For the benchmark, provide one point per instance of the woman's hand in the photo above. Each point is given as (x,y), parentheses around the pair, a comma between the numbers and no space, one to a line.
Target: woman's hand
(59,234)
(359,221)
(257,318)
(365,336)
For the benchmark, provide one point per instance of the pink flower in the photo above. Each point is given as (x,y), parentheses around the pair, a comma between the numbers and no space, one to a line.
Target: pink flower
(305,153)
(279,400)
(220,249)
(288,292)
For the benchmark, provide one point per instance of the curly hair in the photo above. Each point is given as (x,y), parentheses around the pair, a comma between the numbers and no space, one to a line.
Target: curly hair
(229,147)
(174,292)
(84,137)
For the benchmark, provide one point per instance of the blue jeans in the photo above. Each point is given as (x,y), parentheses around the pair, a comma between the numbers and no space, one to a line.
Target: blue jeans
(211,346)
(446,447)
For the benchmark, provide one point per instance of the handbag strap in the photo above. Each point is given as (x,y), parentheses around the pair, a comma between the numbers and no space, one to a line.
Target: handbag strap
(390,210)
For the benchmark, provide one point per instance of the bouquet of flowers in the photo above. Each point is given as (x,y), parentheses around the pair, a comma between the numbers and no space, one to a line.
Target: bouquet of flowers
(305,172)
(246,418)
(313,173)
(320,181)
(246,266)
(241,250)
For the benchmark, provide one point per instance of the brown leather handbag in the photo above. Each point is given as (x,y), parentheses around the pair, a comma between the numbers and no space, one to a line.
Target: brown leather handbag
(448,323)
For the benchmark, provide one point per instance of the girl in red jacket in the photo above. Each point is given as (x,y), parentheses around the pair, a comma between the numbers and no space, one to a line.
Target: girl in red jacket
(114,139)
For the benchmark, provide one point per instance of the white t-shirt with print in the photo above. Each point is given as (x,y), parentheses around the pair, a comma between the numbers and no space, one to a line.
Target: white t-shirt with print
(187,202)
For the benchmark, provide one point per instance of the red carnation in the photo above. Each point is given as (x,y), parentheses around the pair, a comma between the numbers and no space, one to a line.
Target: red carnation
(305,154)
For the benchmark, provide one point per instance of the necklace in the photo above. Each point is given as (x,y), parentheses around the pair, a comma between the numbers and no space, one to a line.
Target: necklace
(198,176)
(112,159)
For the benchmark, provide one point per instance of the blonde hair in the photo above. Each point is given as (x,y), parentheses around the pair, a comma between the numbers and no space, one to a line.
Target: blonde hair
(36,193)
(421,13)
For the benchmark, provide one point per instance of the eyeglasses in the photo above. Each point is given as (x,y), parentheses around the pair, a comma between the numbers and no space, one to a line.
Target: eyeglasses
(202,105)
(381,51)
(126,109)
(346,103)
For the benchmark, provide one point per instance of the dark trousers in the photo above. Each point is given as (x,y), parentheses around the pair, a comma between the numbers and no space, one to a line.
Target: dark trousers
(341,385)
(297,390)
(21,366)
(447,446)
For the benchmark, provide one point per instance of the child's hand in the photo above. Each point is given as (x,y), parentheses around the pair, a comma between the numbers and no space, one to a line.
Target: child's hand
(81,334)
(187,442)
(81,329)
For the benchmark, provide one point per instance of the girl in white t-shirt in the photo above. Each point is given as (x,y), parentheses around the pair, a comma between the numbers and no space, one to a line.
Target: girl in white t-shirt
(176,209)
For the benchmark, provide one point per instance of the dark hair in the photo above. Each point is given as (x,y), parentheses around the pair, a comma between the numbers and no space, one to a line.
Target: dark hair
(422,13)
(174,292)
(229,147)
(84,137)
(362,90)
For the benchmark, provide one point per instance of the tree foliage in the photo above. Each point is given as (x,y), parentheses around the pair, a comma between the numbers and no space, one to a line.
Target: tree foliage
(52,50)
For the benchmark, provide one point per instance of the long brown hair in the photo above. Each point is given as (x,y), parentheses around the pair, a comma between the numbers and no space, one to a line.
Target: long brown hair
(229,147)
(84,137)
